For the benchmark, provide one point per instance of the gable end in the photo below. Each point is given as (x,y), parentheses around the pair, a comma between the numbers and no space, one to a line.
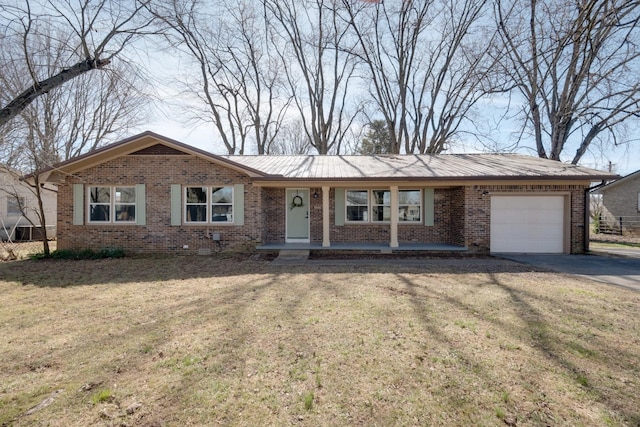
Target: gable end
(159,150)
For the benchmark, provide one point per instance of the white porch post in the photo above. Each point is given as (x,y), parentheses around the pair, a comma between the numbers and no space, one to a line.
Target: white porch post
(325,217)
(394,217)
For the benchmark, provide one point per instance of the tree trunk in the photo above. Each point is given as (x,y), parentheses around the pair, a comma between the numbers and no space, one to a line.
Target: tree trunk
(43,221)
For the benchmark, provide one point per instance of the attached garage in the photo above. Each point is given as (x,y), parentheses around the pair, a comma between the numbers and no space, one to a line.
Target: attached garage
(529,223)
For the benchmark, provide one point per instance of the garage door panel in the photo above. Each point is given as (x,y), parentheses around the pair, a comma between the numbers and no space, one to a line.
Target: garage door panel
(529,224)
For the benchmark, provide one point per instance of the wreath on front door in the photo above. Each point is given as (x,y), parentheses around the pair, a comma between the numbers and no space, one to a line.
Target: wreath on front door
(296,202)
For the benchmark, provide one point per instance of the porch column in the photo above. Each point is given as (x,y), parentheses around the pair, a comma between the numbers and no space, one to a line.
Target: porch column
(325,217)
(394,217)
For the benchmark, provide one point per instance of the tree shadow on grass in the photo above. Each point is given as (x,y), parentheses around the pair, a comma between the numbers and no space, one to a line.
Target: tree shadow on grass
(541,322)
(561,345)
(230,327)
(67,273)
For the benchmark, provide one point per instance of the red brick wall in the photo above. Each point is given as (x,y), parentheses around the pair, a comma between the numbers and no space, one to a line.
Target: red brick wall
(158,172)
(447,214)
(273,202)
(458,216)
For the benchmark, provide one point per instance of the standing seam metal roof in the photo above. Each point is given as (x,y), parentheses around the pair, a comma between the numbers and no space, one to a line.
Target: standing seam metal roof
(415,167)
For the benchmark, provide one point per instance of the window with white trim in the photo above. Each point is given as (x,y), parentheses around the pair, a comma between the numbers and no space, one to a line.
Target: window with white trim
(409,205)
(112,204)
(375,206)
(381,206)
(357,205)
(208,204)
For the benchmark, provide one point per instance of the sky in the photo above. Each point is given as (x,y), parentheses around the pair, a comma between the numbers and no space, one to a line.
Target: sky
(166,121)
(625,160)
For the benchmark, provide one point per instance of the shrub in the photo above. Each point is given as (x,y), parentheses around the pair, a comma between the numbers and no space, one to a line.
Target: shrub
(81,254)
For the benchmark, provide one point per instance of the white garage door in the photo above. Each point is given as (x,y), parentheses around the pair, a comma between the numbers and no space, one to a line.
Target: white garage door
(527,224)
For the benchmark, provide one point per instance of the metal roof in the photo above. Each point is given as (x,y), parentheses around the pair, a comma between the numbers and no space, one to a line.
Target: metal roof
(272,168)
(440,166)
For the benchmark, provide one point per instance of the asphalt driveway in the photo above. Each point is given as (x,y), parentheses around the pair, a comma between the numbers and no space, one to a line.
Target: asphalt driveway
(604,267)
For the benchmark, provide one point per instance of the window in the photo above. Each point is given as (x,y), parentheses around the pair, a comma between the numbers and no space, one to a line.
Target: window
(375,205)
(13,205)
(208,204)
(112,204)
(409,205)
(381,206)
(357,205)
(196,202)
(222,204)
(125,204)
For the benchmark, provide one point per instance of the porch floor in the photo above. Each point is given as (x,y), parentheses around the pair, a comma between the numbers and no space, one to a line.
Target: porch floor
(382,247)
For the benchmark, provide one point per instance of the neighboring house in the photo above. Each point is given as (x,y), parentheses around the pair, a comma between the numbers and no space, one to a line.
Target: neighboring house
(620,205)
(18,205)
(149,193)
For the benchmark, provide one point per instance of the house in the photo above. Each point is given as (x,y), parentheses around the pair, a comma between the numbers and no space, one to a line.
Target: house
(149,193)
(19,218)
(620,205)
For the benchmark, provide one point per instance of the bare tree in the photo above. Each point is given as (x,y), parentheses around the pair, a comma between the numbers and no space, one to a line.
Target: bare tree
(292,139)
(575,65)
(314,45)
(99,30)
(240,80)
(68,120)
(427,63)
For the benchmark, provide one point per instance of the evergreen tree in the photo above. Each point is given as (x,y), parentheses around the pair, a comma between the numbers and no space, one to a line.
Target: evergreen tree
(377,140)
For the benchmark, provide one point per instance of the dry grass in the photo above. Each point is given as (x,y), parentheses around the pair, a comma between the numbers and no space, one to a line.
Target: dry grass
(22,250)
(205,341)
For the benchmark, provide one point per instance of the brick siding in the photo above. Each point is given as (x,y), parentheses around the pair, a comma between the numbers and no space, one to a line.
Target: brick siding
(462,214)
(158,173)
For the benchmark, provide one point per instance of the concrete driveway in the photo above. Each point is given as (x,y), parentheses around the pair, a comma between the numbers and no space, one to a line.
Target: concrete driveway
(601,267)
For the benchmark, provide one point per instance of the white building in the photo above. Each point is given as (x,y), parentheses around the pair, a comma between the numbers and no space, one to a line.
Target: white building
(14,221)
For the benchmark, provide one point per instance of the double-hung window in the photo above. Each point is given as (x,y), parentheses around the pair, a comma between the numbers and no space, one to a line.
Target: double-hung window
(409,205)
(381,206)
(208,204)
(357,205)
(112,204)
(222,204)
(375,205)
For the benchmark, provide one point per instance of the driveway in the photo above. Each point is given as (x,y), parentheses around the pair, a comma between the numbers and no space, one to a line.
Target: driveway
(601,267)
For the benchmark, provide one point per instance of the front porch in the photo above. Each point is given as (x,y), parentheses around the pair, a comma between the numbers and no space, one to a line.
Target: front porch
(322,218)
(356,246)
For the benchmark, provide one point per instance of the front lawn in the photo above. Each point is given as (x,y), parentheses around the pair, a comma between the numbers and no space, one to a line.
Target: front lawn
(182,341)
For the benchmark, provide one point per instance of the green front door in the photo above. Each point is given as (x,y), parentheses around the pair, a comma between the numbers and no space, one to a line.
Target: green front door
(297,208)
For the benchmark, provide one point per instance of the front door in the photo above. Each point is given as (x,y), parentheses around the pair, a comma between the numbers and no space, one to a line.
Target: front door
(297,209)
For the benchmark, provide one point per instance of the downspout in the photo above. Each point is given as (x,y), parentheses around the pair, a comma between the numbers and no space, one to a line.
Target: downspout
(587,213)
(587,224)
